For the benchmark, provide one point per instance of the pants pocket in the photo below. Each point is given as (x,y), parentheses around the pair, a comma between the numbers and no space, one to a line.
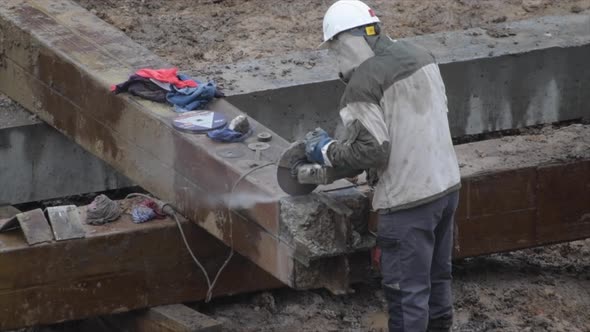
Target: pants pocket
(390,261)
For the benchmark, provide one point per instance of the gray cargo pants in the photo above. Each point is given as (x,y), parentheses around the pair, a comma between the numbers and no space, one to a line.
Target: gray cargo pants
(416,247)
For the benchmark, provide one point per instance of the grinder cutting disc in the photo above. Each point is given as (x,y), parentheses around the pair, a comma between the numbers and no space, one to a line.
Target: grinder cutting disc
(293,155)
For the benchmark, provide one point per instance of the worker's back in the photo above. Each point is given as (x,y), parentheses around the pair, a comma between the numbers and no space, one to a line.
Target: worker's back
(405,82)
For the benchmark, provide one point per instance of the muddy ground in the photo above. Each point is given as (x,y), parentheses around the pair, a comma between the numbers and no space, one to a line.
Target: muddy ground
(543,289)
(196,33)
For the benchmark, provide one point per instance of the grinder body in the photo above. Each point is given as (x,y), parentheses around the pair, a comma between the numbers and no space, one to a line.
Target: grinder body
(297,176)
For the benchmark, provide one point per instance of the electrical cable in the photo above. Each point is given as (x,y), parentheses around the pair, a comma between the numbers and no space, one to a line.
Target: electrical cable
(172,212)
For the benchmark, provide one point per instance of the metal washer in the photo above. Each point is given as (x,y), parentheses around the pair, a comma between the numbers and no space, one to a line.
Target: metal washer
(264,137)
(258,146)
(230,153)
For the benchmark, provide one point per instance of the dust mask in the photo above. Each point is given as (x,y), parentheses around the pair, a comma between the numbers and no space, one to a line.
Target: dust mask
(350,51)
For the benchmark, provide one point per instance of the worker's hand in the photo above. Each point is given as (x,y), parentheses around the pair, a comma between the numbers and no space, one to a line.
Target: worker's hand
(314,142)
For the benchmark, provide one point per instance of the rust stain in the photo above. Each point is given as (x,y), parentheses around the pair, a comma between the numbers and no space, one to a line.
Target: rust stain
(68,97)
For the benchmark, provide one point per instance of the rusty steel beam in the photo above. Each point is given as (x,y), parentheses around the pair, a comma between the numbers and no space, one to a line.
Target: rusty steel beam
(118,267)
(58,61)
(524,191)
(522,208)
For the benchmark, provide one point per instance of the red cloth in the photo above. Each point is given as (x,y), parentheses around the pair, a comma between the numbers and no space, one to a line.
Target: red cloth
(167,75)
(152,205)
(376,258)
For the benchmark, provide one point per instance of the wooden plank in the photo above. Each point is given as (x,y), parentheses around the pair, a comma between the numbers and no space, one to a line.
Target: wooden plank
(65,222)
(168,318)
(35,227)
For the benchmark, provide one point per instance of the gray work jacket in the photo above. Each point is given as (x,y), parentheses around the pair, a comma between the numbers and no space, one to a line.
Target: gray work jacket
(395,113)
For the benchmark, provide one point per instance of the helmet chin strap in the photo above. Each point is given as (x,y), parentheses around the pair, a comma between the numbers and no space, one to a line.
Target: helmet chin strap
(350,51)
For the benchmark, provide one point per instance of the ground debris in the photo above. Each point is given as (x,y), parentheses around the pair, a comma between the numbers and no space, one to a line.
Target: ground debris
(534,146)
(193,34)
(497,32)
(539,289)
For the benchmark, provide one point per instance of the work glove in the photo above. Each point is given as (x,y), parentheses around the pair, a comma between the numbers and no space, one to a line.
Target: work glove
(314,142)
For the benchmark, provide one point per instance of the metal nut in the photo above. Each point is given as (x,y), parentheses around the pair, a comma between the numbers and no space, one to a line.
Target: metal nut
(264,137)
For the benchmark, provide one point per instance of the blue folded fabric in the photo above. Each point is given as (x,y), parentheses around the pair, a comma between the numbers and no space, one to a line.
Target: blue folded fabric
(141,214)
(189,99)
(227,135)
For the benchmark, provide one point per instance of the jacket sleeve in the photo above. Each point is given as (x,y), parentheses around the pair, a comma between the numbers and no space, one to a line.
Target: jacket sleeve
(360,150)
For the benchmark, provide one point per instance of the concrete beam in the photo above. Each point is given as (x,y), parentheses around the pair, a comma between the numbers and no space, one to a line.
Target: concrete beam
(59,61)
(536,74)
(39,163)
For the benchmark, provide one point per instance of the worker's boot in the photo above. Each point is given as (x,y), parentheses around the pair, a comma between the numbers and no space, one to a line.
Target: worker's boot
(442,324)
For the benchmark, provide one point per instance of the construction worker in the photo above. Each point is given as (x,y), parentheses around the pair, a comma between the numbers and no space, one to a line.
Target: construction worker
(394,109)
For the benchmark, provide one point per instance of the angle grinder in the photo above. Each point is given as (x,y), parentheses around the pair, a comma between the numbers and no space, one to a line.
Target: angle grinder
(297,176)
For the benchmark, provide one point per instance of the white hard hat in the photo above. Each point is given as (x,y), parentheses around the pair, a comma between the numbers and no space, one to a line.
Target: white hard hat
(347,14)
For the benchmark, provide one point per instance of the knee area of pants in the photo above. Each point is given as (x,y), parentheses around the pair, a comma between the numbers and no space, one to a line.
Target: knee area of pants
(392,291)
(441,276)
